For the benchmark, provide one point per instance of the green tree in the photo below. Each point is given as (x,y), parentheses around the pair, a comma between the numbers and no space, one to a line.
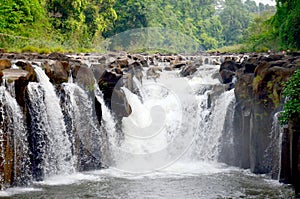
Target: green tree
(235,20)
(287,23)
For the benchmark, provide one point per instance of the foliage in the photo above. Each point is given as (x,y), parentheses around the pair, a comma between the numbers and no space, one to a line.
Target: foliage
(260,36)
(287,23)
(292,93)
(78,24)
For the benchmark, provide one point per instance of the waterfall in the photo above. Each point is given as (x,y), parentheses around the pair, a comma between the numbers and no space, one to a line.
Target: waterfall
(176,118)
(273,151)
(211,124)
(82,126)
(107,117)
(48,128)
(14,153)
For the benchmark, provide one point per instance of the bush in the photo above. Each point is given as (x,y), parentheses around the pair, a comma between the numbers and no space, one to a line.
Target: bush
(292,93)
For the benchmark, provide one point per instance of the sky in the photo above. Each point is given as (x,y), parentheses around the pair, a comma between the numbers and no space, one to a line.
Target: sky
(270,2)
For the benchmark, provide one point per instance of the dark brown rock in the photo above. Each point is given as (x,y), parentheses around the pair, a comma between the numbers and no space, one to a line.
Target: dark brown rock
(188,70)
(250,64)
(57,72)
(227,76)
(58,57)
(178,65)
(31,76)
(261,68)
(229,65)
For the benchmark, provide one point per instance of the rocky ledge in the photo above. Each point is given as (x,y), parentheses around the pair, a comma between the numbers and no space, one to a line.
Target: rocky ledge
(259,81)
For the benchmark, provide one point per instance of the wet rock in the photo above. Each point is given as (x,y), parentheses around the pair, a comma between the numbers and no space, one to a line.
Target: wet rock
(188,70)
(264,66)
(107,83)
(14,74)
(250,64)
(226,76)
(58,72)
(58,57)
(167,68)
(229,65)
(153,73)
(178,65)
(98,70)
(135,68)
(4,64)
(119,63)
(31,76)
(84,77)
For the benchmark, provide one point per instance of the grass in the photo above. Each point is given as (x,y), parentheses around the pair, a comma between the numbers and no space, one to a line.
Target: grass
(238,48)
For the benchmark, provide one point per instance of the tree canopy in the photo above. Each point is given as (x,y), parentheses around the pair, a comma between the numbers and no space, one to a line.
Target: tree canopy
(210,23)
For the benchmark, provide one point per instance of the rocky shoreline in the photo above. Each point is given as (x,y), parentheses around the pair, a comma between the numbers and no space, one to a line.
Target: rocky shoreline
(257,79)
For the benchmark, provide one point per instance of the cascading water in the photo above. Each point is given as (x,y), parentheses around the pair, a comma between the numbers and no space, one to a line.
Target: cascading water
(13,141)
(82,126)
(167,121)
(273,152)
(48,128)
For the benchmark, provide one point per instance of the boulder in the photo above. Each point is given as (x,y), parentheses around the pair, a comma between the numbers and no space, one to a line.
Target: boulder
(98,70)
(188,70)
(58,57)
(250,64)
(58,72)
(4,64)
(153,73)
(229,65)
(31,76)
(14,74)
(226,76)
(178,65)
(84,77)
(261,68)
(107,83)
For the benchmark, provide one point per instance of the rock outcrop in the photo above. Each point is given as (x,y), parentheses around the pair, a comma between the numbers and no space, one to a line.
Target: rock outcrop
(258,91)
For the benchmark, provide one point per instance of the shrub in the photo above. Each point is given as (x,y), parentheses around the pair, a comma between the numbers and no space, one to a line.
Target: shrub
(292,93)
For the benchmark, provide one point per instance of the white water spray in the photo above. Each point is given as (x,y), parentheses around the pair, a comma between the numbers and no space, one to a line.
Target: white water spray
(58,157)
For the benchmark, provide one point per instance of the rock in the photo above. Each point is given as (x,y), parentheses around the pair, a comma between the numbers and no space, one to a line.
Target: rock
(31,76)
(188,70)
(153,73)
(84,77)
(167,68)
(14,74)
(275,57)
(278,63)
(250,65)
(57,72)
(226,76)
(229,65)
(261,68)
(178,65)
(98,70)
(4,64)
(120,63)
(58,57)
(107,83)
(295,54)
